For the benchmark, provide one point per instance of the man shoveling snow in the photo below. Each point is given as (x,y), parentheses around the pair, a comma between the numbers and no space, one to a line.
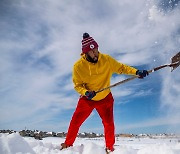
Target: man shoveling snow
(91,73)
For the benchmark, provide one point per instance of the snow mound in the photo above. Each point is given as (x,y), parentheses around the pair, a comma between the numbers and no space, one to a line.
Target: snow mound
(92,148)
(160,149)
(15,144)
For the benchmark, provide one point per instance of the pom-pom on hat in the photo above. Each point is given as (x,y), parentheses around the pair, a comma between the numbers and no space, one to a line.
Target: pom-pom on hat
(88,43)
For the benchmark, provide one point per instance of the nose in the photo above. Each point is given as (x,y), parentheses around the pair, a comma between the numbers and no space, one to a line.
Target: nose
(94,51)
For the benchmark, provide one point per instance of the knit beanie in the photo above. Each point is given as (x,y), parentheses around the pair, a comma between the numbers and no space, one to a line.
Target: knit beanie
(88,43)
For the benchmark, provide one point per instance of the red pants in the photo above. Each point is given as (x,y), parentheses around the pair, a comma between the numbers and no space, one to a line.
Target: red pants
(83,110)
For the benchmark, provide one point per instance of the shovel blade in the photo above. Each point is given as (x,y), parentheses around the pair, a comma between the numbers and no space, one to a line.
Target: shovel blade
(175,59)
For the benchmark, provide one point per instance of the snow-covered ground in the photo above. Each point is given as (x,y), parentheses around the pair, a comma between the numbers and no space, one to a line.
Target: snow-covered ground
(15,144)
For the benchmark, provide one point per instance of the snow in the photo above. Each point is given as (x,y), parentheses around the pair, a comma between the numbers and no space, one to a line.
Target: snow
(15,144)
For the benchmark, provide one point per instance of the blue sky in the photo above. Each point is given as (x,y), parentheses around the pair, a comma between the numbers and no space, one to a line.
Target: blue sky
(41,40)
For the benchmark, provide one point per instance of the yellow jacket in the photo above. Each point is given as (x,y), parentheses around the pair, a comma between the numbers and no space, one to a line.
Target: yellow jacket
(95,76)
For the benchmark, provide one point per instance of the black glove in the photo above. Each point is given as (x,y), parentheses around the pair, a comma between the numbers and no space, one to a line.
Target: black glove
(90,94)
(142,73)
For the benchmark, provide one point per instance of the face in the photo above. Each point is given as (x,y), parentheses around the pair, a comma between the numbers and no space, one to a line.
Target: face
(93,55)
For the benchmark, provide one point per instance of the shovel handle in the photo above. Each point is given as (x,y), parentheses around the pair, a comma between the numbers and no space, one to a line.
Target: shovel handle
(136,76)
(162,66)
(118,83)
(158,68)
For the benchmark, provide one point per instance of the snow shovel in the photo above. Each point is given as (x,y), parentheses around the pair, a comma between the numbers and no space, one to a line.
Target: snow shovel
(175,62)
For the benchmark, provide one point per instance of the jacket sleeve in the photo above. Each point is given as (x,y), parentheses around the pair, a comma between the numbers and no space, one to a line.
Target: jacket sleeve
(79,86)
(120,68)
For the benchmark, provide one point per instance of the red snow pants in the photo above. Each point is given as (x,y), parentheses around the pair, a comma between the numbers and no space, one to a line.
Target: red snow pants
(84,108)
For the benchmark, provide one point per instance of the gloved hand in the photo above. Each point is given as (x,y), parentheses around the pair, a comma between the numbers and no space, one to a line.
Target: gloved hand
(142,73)
(90,94)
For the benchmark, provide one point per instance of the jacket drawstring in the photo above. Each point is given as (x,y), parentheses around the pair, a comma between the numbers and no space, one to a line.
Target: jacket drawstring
(96,70)
(90,73)
(89,70)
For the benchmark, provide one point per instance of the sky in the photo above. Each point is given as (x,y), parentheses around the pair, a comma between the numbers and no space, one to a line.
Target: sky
(41,40)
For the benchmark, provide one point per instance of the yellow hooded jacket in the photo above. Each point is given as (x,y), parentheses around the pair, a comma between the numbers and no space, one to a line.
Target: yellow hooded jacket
(95,76)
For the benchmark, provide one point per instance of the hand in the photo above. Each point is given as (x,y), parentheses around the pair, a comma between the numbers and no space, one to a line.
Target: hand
(90,94)
(142,73)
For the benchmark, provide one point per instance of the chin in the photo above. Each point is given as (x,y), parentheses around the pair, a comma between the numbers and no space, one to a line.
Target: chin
(95,61)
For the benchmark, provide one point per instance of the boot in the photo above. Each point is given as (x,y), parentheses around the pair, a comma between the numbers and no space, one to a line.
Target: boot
(64,146)
(108,151)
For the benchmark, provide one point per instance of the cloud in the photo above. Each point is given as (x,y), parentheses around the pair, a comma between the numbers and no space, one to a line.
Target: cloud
(41,40)
(152,123)
(171,89)
(170,96)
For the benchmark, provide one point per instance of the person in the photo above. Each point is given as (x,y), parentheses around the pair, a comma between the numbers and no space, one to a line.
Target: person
(91,73)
